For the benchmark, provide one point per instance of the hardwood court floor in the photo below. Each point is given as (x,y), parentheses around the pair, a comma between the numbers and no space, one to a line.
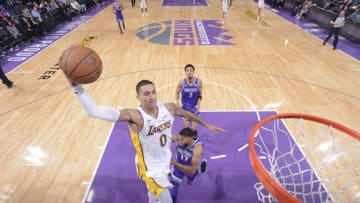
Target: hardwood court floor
(50,147)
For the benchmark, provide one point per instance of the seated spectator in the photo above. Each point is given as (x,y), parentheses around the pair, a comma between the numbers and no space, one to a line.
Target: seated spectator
(53,5)
(277,3)
(10,26)
(17,4)
(3,12)
(355,16)
(348,3)
(43,5)
(70,11)
(65,10)
(61,2)
(75,5)
(28,25)
(326,4)
(36,14)
(99,2)
(338,8)
(297,7)
(305,9)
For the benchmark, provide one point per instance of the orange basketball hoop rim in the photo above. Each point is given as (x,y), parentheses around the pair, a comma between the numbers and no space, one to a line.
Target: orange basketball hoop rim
(268,182)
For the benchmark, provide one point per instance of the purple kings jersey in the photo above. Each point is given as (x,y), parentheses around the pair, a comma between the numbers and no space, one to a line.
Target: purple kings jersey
(118,12)
(190,95)
(184,154)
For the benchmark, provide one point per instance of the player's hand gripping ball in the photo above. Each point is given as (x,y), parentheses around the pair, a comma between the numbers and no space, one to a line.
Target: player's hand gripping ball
(81,65)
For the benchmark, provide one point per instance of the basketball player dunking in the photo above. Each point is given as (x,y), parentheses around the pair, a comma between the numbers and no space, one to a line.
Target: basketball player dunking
(150,129)
(190,89)
(117,9)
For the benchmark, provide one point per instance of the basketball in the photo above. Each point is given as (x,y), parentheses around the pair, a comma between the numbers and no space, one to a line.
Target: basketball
(81,64)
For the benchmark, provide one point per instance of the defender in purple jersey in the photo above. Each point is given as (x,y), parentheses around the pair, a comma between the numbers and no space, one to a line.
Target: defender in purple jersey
(187,163)
(190,89)
(117,9)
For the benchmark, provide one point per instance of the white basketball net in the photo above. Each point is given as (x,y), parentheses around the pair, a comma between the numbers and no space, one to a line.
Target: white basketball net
(326,169)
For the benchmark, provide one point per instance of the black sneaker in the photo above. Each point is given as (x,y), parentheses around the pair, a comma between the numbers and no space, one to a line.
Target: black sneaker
(10,85)
(203,166)
(195,135)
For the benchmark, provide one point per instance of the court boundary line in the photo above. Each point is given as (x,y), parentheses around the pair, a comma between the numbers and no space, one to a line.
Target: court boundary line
(87,192)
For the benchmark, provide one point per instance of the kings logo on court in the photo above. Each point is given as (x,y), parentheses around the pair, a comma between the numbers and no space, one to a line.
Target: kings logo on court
(185,32)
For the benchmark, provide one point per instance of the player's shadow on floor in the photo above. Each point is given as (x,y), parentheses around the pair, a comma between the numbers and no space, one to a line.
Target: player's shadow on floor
(114,189)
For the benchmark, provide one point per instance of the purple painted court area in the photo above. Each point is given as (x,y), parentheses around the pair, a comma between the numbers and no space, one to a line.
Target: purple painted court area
(184,3)
(229,177)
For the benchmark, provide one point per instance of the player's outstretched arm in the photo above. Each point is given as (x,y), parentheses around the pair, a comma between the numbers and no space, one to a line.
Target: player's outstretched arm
(104,112)
(176,110)
(94,110)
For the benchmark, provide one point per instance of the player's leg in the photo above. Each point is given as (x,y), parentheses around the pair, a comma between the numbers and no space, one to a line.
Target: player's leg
(225,9)
(191,178)
(186,123)
(336,37)
(194,126)
(119,25)
(202,168)
(4,79)
(152,198)
(142,7)
(164,197)
(158,187)
(123,23)
(329,36)
(176,179)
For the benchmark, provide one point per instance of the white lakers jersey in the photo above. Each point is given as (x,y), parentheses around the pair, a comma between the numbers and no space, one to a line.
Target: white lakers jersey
(154,141)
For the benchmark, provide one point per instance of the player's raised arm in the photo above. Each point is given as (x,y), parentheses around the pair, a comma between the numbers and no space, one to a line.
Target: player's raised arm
(94,110)
(104,112)
(176,110)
